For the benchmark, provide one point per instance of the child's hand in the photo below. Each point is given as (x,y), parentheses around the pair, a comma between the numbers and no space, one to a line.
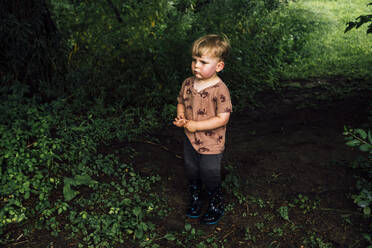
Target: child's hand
(191,126)
(179,121)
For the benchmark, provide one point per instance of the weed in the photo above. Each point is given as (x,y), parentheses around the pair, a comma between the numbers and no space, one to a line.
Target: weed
(51,158)
(260,226)
(232,184)
(304,203)
(368,238)
(277,231)
(283,211)
(249,235)
(362,167)
(315,241)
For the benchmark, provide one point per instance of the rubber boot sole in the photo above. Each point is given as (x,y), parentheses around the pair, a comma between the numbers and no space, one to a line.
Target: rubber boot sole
(214,222)
(193,216)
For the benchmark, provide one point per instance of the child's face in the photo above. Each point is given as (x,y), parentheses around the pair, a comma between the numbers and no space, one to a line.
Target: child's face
(206,66)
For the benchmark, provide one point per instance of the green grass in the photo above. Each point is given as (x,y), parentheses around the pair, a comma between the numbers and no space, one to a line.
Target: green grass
(328,50)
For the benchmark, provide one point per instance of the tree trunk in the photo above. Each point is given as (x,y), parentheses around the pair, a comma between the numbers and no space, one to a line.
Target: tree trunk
(29,37)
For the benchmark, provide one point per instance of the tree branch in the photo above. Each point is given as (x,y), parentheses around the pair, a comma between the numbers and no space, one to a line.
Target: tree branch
(117,12)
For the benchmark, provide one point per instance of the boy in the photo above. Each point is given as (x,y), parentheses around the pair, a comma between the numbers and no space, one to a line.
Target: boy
(203,110)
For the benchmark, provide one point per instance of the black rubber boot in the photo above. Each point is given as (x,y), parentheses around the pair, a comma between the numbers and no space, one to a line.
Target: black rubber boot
(215,209)
(194,208)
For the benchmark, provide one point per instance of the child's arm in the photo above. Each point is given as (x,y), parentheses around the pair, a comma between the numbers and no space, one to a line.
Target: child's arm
(180,120)
(180,111)
(215,122)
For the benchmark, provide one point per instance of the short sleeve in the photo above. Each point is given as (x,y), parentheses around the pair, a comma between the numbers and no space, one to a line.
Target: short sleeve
(180,95)
(223,101)
(185,85)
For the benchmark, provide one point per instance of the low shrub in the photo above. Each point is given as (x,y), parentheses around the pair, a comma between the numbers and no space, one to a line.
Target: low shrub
(54,178)
(363,167)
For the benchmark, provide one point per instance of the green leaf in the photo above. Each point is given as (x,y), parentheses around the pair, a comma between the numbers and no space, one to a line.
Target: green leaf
(361,133)
(283,211)
(83,179)
(144,226)
(367,237)
(139,233)
(365,147)
(367,211)
(68,181)
(369,136)
(137,211)
(68,192)
(27,195)
(126,201)
(169,236)
(353,143)
(187,227)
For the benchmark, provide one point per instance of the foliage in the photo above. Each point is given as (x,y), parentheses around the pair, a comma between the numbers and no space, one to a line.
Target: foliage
(363,19)
(68,192)
(111,56)
(315,241)
(143,63)
(283,211)
(304,203)
(50,160)
(327,51)
(131,59)
(124,65)
(363,140)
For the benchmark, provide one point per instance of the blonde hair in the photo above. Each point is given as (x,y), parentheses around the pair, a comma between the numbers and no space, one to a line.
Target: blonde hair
(212,44)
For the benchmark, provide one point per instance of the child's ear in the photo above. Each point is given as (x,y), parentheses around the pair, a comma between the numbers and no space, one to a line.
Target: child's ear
(220,66)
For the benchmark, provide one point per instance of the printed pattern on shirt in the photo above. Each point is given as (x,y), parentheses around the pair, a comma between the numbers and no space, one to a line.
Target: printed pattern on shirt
(202,112)
(203,105)
(208,133)
(204,94)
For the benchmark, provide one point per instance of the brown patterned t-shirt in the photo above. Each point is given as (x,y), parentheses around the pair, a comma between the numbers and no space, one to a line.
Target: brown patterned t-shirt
(201,106)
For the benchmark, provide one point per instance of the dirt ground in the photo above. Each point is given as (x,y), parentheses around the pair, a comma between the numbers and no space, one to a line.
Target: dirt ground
(296,160)
(285,157)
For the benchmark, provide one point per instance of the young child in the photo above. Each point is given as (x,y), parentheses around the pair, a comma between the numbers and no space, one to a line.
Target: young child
(203,110)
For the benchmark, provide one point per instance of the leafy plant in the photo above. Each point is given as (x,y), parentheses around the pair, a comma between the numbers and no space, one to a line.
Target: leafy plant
(315,241)
(283,211)
(50,159)
(362,19)
(68,192)
(368,238)
(248,235)
(363,140)
(304,203)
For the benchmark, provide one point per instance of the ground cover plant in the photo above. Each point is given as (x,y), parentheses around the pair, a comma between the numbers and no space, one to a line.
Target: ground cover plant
(88,155)
(51,155)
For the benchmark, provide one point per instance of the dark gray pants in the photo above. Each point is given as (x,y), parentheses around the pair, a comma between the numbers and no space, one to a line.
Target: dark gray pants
(203,167)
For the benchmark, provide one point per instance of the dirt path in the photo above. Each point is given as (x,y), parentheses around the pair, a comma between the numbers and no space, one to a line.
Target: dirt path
(290,161)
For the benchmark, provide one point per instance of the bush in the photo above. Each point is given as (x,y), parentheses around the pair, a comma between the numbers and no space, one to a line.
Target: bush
(363,167)
(50,160)
(142,63)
